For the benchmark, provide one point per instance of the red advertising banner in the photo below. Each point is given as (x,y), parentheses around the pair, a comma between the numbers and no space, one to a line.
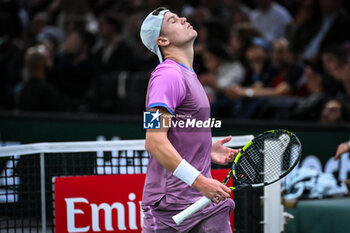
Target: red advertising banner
(101,203)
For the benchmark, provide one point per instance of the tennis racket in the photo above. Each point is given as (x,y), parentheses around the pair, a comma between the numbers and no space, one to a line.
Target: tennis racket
(262,161)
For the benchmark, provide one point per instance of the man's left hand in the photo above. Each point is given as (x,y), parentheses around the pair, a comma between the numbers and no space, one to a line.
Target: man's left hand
(221,154)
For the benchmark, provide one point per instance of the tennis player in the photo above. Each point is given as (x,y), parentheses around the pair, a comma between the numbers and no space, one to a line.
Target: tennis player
(178,172)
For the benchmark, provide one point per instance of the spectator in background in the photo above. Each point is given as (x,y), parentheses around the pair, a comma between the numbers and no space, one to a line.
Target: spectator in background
(308,108)
(10,54)
(258,72)
(75,68)
(52,37)
(39,21)
(340,69)
(144,59)
(270,18)
(306,15)
(217,29)
(240,38)
(112,52)
(236,11)
(324,81)
(321,80)
(198,16)
(334,60)
(334,112)
(285,78)
(331,29)
(210,29)
(315,27)
(259,67)
(322,84)
(73,14)
(114,57)
(222,73)
(37,94)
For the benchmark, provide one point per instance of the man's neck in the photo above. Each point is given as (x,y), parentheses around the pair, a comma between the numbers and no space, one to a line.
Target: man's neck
(180,55)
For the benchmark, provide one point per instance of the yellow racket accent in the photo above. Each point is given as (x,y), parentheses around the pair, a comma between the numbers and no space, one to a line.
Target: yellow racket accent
(243,149)
(280,130)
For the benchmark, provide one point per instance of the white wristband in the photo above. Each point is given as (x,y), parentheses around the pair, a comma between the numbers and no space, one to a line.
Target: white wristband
(186,172)
(249,92)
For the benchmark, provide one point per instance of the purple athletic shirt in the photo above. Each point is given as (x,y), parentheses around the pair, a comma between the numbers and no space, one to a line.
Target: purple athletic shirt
(176,88)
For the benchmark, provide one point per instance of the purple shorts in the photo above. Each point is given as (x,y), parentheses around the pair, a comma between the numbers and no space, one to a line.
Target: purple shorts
(212,218)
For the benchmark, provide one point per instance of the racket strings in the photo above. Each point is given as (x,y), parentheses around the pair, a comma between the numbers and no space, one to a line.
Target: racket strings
(268,159)
(276,166)
(249,168)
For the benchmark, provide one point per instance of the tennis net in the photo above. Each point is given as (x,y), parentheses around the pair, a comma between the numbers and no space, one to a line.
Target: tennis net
(27,172)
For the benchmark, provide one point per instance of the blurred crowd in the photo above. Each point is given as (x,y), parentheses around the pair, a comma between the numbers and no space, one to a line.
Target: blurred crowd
(257,59)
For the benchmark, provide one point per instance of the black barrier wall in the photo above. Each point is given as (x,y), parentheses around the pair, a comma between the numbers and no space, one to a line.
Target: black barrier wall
(319,140)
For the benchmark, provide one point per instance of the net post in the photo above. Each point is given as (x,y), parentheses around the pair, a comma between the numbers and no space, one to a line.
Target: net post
(42,191)
(272,193)
(273,210)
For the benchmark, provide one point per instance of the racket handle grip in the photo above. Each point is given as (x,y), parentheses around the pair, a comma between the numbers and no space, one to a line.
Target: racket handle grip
(180,217)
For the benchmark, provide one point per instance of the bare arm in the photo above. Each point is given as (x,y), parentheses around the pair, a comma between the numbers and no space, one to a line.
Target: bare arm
(258,91)
(158,144)
(282,89)
(342,148)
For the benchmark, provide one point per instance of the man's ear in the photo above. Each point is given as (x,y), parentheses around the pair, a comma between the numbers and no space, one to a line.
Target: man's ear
(162,41)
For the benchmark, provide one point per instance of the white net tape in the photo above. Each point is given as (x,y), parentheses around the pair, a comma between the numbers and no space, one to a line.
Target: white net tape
(88,146)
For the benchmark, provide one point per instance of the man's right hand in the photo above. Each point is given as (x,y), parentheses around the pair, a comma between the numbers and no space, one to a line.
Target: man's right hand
(211,188)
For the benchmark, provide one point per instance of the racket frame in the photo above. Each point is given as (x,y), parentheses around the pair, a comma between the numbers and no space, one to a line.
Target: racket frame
(183,215)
